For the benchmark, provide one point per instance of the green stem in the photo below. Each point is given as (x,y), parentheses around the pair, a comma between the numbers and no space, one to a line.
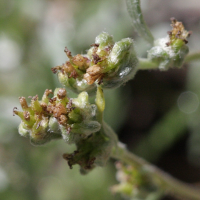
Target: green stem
(145,64)
(133,7)
(192,57)
(166,182)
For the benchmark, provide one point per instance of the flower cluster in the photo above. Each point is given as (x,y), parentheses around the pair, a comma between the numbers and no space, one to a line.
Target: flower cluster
(57,117)
(134,183)
(106,63)
(74,120)
(170,51)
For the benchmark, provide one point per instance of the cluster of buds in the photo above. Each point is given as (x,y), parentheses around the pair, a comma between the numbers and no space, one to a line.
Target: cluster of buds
(170,51)
(74,120)
(57,117)
(134,183)
(106,62)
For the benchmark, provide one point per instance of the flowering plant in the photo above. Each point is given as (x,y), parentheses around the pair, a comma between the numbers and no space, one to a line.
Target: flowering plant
(106,65)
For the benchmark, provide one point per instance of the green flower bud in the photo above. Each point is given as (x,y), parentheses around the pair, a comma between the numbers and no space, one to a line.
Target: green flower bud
(86,128)
(77,84)
(23,131)
(104,40)
(78,131)
(88,111)
(107,63)
(122,62)
(54,125)
(68,136)
(170,51)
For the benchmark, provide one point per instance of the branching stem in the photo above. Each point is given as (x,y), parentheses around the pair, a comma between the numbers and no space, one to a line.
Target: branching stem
(192,56)
(166,182)
(146,64)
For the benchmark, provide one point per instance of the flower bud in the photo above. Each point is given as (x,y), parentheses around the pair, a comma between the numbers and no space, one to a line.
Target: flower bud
(104,40)
(170,51)
(68,136)
(23,131)
(122,63)
(107,63)
(86,128)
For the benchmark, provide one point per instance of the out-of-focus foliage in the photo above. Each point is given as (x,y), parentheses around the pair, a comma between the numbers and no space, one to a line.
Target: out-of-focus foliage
(33,35)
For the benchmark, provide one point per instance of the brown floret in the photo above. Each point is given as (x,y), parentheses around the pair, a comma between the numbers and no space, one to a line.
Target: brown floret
(178,32)
(92,74)
(61,93)
(81,61)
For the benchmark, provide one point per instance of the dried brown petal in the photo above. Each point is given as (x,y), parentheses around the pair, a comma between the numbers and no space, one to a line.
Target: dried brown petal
(44,106)
(81,61)
(15,111)
(63,120)
(96,58)
(58,110)
(35,98)
(68,53)
(26,116)
(94,45)
(23,102)
(61,93)
(47,92)
(94,70)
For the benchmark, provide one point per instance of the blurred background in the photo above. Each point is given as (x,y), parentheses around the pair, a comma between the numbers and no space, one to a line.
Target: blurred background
(157,114)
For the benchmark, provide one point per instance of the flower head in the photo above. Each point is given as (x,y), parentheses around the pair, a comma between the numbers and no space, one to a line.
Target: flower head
(76,121)
(170,51)
(57,117)
(106,63)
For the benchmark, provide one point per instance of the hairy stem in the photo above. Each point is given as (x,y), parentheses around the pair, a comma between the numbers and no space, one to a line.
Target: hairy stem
(133,7)
(146,64)
(192,56)
(166,182)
